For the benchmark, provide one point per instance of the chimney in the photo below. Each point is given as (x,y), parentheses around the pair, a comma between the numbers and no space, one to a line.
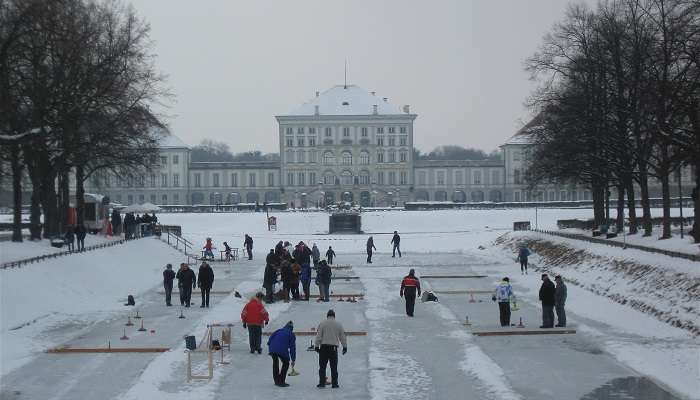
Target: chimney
(375,110)
(317,93)
(407,109)
(385,99)
(373,93)
(316,109)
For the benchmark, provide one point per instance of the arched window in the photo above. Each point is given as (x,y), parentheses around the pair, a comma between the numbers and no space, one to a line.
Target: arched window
(364,177)
(329,158)
(380,156)
(364,157)
(346,178)
(392,156)
(328,178)
(347,158)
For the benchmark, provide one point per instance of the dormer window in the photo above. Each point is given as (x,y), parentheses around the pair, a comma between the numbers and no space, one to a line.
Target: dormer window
(345,103)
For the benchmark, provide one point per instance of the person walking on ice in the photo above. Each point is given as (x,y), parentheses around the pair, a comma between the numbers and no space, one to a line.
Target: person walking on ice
(323,280)
(227,250)
(187,281)
(370,247)
(560,301)
(168,277)
(396,241)
(523,254)
(254,316)
(329,334)
(205,281)
(330,254)
(282,347)
(315,255)
(410,286)
(547,298)
(503,296)
(248,245)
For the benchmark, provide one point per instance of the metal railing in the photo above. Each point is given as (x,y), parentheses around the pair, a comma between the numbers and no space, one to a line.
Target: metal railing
(179,243)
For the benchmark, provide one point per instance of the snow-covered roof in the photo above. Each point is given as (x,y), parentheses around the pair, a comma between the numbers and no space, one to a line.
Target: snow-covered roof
(346,100)
(170,141)
(526,134)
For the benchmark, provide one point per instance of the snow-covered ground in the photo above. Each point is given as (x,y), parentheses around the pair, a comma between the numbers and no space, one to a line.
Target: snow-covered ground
(10,251)
(618,352)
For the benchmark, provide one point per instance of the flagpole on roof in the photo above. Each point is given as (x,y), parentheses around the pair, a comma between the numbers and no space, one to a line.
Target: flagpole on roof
(345,86)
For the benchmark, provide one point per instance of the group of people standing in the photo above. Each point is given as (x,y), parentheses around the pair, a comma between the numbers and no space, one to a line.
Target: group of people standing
(187,281)
(395,242)
(553,298)
(293,265)
(132,223)
(73,234)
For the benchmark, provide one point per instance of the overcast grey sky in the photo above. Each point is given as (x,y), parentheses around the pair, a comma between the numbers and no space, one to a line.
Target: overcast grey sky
(234,65)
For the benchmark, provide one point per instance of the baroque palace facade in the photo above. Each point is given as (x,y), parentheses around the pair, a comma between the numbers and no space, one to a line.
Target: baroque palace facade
(345,144)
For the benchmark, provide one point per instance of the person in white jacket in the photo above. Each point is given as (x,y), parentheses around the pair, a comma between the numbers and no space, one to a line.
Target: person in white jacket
(328,334)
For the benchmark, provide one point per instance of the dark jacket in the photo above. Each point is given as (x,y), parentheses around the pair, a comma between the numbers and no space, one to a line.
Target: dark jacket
(272,259)
(186,278)
(560,294)
(283,343)
(69,236)
(547,293)
(370,245)
(116,218)
(206,277)
(279,250)
(305,274)
(287,274)
(330,254)
(396,239)
(168,276)
(324,274)
(410,285)
(302,254)
(315,253)
(270,276)
(80,232)
(248,242)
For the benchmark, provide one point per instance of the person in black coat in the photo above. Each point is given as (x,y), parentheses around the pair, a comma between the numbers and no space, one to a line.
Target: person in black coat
(186,281)
(287,275)
(168,277)
(370,247)
(205,281)
(116,223)
(269,281)
(323,280)
(279,250)
(248,245)
(547,291)
(69,238)
(330,255)
(271,258)
(80,233)
(396,241)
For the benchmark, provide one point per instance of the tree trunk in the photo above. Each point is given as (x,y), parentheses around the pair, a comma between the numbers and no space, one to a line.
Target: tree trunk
(64,200)
(49,204)
(16,194)
(620,218)
(35,214)
(598,193)
(631,205)
(666,202)
(696,203)
(80,194)
(646,208)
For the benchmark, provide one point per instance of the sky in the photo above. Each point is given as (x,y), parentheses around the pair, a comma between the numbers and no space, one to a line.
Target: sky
(234,65)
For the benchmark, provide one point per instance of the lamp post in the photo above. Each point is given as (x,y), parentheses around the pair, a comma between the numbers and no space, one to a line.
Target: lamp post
(680,198)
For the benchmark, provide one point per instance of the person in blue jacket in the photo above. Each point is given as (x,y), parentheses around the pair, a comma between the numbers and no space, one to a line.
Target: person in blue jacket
(523,254)
(282,347)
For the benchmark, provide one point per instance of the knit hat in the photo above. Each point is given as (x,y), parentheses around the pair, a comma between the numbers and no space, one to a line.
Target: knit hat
(290,324)
(330,313)
(506,279)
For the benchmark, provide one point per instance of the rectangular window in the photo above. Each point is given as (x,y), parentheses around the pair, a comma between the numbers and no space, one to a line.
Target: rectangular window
(142,198)
(392,178)
(153,180)
(197,180)
(312,178)
(380,156)
(289,131)
(458,177)
(153,198)
(441,178)
(163,160)
(516,155)
(300,130)
(403,141)
(404,178)
(495,177)
(328,132)
(402,129)
(562,195)
(290,178)
(270,179)
(516,195)
(302,178)
(516,176)
(216,179)
(380,130)
(176,198)
(290,142)
(164,199)
(421,177)
(164,180)
(251,180)
(312,141)
(380,140)
(477,177)
(312,156)
(364,132)
(392,140)
(380,177)
(130,199)
(392,129)
(234,179)
(312,131)
(300,142)
(346,132)
(403,156)
(392,156)
(176,180)
(176,159)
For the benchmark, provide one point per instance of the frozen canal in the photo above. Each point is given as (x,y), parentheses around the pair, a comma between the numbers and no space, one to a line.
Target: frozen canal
(430,356)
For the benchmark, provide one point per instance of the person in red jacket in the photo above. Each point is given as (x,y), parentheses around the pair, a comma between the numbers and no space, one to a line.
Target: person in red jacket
(409,286)
(254,316)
